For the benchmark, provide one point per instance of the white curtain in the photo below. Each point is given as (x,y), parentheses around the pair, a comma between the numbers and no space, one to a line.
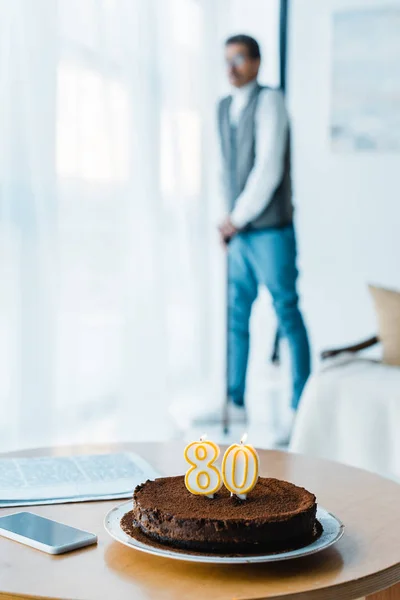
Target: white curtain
(104,222)
(112,300)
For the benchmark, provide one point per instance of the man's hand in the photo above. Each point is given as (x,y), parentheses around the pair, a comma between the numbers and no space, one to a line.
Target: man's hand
(227,231)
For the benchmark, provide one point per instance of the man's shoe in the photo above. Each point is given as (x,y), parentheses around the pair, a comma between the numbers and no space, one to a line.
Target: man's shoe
(236,415)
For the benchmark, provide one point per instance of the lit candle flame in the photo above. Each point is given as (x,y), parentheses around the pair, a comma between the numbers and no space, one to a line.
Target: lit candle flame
(244,438)
(203,437)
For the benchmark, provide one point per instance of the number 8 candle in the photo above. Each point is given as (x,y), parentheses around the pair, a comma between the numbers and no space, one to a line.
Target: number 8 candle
(240,467)
(203,478)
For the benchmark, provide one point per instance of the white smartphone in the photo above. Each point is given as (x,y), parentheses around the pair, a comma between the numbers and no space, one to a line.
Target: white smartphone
(44,534)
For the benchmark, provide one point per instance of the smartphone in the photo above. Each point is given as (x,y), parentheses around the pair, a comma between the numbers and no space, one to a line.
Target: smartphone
(44,534)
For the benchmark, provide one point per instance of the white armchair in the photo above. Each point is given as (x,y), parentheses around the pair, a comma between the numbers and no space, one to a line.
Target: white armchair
(350,412)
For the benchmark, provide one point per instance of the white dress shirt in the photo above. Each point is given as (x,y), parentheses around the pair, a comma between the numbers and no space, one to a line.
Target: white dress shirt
(271,123)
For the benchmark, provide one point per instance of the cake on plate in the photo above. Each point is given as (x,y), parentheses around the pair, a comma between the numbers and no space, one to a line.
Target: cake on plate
(276,516)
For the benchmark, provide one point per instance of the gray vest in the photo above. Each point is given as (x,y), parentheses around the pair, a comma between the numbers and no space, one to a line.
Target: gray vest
(238,154)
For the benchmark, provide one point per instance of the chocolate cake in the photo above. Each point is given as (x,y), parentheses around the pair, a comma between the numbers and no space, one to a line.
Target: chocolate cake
(276,516)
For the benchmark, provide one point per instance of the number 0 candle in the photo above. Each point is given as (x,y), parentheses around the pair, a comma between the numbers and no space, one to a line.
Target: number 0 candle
(240,467)
(203,478)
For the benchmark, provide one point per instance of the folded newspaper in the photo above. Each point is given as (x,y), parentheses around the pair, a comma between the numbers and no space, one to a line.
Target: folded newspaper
(55,480)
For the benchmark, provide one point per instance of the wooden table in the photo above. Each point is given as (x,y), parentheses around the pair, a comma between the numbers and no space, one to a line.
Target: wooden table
(365,560)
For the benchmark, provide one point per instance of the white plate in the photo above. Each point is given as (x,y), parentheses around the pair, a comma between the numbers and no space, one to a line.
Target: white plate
(333,531)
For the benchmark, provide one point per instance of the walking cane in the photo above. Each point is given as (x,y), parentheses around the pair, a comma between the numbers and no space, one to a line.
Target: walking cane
(225,413)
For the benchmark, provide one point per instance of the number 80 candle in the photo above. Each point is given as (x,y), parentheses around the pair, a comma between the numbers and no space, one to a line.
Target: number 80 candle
(240,467)
(203,478)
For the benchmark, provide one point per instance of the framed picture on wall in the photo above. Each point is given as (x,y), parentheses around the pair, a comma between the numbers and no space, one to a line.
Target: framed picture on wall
(366,80)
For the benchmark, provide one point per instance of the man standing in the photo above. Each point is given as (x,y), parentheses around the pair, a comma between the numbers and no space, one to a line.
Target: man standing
(258,231)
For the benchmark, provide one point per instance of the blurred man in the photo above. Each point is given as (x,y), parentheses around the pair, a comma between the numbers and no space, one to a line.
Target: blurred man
(258,230)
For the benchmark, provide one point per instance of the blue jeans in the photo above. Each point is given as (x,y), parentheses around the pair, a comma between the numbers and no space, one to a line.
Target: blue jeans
(266,257)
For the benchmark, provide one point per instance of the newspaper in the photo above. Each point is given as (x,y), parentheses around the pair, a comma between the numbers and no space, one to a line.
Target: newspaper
(55,480)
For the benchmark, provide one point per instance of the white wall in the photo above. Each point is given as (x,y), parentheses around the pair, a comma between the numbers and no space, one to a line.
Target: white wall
(348,208)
